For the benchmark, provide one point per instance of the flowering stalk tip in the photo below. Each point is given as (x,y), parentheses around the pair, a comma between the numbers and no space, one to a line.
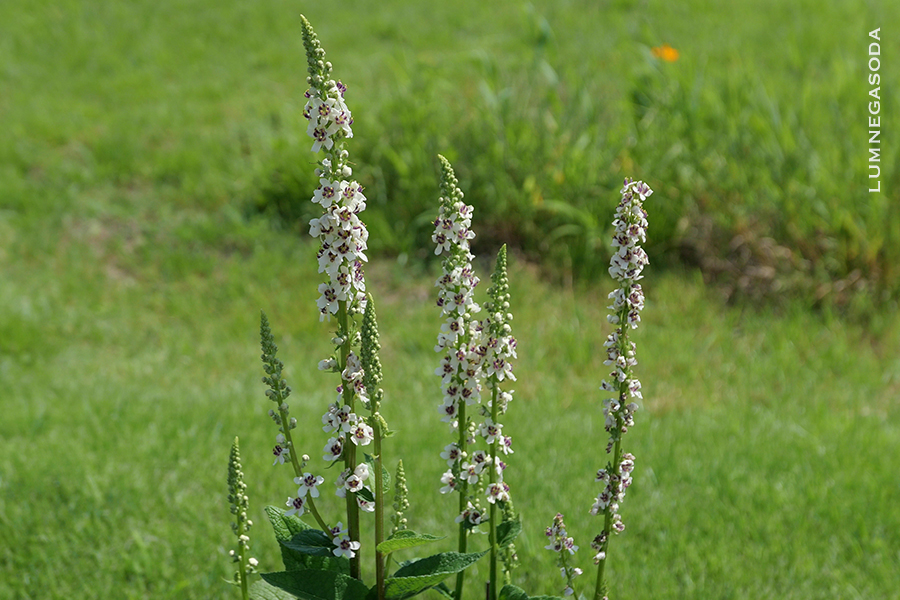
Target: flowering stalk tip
(240,506)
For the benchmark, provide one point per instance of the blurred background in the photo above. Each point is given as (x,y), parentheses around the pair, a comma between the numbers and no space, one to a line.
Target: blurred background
(155,178)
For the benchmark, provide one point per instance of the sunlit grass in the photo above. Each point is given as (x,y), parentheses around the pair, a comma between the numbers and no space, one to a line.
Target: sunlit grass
(760,447)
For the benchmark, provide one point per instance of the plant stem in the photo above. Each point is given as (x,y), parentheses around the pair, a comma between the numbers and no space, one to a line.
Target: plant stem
(463,494)
(245,592)
(379,504)
(298,471)
(492,476)
(349,447)
(607,527)
(615,467)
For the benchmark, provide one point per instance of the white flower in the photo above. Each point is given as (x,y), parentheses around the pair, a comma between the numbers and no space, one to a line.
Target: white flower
(490,430)
(281,453)
(297,506)
(333,449)
(344,547)
(470,473)
(338,530)
(451,454)
(354,483)
(353,370)
(365,505)
(308,484)
(326,193)
(362,471)
(471,514)
(449,482)
(498,492)
(331,296)
(341,484)
(361,434)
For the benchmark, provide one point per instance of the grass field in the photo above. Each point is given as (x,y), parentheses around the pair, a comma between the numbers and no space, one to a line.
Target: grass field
(132,274)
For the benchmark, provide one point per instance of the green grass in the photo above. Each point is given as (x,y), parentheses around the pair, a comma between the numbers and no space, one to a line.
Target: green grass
(131,279)
(761,449)
(756,136)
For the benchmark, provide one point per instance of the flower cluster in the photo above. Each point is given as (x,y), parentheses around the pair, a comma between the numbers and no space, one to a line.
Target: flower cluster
(500,350)
(460,334)
(341,233)
(460,340)
(562,544)
(355,482)
(626,265)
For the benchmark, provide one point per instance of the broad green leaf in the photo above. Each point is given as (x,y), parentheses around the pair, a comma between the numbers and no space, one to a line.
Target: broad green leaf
(406,539)
(415,577)
(312,542)
(507,531)
(263,591)
(511,592)
(313,584)
(286,527)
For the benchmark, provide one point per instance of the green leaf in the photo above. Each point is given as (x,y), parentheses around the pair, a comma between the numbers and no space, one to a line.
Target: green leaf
(406,539)
(313,584)
(507,531)
(366,494)
(511,592)
(418,576)
(443,590)
(263,591)
(311,542)
(385,476)
(385,481)
(286,527)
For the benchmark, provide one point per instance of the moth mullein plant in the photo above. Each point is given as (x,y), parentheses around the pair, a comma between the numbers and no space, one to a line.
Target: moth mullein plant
(463,355)
(477,357)
(323,560)
(627,263)
(343,241)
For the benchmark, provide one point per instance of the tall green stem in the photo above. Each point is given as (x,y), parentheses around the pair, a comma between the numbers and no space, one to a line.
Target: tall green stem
(614,470)
(492,476)
(245,592)
(379,505)
(463,494)
(348,396)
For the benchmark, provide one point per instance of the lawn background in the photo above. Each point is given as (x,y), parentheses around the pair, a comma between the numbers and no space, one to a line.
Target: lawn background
(140,142)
